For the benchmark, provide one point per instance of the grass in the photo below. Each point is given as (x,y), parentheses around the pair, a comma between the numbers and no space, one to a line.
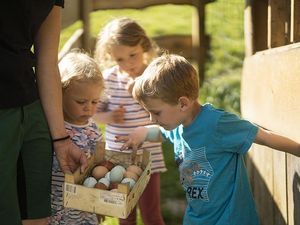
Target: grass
(224,25)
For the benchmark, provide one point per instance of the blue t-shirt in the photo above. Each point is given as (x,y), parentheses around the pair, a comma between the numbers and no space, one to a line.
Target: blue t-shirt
(212,170)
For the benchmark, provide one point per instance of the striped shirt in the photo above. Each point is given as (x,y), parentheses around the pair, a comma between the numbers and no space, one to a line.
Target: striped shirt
(85,137)
(116,95)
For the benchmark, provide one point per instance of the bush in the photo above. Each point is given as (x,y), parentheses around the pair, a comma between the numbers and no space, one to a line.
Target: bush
(223,92)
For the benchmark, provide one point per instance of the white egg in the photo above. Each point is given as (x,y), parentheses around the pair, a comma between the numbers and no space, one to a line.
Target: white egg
(107,176)
(129,181)
(89,182)
(104,181)
(117,173)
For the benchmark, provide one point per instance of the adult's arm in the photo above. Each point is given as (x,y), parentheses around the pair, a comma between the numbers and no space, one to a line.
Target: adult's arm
(50,91)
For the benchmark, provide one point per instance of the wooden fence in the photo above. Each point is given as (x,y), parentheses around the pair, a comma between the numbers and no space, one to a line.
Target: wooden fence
(193,47)
(270,97)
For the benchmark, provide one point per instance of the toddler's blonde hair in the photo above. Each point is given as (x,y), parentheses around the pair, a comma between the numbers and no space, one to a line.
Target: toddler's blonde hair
(123,31)
(78,66)
(168,78)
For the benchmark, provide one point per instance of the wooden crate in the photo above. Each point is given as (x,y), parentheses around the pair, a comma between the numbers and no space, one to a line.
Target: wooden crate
(116,204)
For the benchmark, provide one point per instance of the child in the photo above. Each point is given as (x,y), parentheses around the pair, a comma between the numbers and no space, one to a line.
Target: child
(82,84)
(124,42)
(209,144)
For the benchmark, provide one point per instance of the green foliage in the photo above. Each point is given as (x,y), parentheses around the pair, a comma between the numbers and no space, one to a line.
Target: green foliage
(150,19)
(224,24)
(171,190)
(223,92)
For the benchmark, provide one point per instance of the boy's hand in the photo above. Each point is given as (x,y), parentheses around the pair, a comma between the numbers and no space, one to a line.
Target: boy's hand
(134,140)
(69,156)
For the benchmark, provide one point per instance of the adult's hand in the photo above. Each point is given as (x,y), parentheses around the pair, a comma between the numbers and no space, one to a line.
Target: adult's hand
(69,156)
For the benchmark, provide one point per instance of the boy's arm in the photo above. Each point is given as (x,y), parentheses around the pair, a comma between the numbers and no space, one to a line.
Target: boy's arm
(139,135)
(277,142)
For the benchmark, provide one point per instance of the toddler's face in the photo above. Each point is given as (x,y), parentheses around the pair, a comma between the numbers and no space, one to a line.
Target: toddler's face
(80,102)
(129,58)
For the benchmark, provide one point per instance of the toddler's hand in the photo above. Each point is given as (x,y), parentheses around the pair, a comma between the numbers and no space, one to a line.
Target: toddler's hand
(118,115)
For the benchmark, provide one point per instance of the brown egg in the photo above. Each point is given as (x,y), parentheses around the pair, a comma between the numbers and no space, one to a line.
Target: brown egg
(100,186)
(99,172)
(136,169)
(108,164)
(113,186)
(132,175)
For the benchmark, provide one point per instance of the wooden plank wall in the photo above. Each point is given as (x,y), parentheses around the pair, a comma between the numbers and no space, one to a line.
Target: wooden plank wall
(270,97)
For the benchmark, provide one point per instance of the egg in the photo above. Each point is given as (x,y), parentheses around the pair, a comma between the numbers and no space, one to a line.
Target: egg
(108,164)
(136,169)
(113,186)
(101,186)
(117,173)
(99,171)
(132,175)
(105,181)
(89,182)
(107,175)
(128,181)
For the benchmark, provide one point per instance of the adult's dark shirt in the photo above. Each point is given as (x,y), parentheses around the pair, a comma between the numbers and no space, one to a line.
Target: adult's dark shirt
(20,21)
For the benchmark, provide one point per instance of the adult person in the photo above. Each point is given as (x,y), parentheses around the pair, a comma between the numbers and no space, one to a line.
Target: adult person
(31,117)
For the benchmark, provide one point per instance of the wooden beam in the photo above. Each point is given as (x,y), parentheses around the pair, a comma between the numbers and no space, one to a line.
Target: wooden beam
(278,23)
(85,9)
(73,42)
(198,37)
(138,4)
(260,25)
(248,28)
(262,182)
(70,13)
(293,192)
(255,26)
(295,21)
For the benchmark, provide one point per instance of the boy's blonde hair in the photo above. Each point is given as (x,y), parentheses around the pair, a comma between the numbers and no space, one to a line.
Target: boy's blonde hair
(123,31)
(168,77)
(78,66)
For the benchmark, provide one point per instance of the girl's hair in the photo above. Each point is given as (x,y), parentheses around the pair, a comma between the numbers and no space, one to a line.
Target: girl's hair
(79,66)
(168,78)
(123,31)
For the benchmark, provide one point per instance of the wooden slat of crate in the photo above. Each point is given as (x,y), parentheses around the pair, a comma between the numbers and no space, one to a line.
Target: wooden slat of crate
(117,204)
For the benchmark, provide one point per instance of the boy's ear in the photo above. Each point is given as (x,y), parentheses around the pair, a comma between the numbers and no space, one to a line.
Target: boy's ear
(184,103)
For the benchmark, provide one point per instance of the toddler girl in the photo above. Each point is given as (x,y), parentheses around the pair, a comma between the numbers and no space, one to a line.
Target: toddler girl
(82,84)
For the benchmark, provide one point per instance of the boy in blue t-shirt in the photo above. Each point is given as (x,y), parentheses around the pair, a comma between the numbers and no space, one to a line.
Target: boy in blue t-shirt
(209,143)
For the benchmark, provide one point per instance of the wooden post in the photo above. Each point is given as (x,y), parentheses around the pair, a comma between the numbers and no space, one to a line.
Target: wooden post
(260,24)
(85,10)
(255,25)
(198,37)
(248,28)
(295,21)
(278,23)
